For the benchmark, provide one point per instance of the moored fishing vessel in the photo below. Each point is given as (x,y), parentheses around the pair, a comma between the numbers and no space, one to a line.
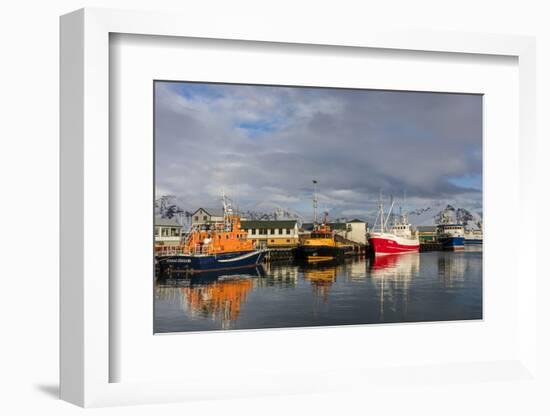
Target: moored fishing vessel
(473,237)
(218,246)
(321,245)
(450,236)
(397,238)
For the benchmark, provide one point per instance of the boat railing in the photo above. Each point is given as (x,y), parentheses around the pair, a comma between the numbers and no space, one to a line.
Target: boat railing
(172,251)
(198,249)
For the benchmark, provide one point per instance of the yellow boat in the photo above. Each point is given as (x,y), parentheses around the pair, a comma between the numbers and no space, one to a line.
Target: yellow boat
(321,246)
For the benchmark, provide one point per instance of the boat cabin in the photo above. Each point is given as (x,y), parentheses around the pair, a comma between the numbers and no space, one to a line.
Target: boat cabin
(450,230)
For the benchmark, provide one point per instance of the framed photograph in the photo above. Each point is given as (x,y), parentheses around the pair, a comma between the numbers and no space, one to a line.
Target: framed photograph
(269,197)
(279,249)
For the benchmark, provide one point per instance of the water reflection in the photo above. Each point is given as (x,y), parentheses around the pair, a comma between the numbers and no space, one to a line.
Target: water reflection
(398,266)
(394,273)
(353,270)
(393,288)
(451,273)
(321,278)
(281,274)
(221,300)
(214,295)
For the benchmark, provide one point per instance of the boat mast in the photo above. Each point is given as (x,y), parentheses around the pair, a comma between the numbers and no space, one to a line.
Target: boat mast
(227,211)
(389,212)
(405,211)
(381,212)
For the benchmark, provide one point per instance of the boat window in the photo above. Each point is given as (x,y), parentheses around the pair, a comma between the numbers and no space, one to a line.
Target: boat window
(320,235)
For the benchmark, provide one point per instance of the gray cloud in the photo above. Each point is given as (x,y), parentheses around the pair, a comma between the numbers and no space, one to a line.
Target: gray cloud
(266,144)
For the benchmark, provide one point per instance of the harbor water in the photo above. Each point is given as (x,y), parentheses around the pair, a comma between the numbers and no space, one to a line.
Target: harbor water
(414,287)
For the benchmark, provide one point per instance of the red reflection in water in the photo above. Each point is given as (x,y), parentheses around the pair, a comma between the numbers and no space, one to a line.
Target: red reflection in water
(387,261)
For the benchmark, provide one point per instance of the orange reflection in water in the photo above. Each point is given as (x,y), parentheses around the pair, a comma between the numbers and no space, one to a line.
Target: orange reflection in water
(321,280)
(220,300)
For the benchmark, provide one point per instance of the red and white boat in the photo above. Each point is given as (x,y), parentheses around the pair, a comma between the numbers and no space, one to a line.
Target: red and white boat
(397,238)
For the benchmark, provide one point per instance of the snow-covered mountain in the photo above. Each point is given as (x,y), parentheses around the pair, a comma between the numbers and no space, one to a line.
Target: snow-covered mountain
(169,206)
(440,211)
(437,211)
(277,214)
(268,210)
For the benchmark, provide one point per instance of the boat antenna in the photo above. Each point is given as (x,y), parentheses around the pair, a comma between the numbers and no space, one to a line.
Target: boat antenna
(405,212)
(376,220)
(224,202)
(314,202)
(401,206)
(389,212)
(227,210)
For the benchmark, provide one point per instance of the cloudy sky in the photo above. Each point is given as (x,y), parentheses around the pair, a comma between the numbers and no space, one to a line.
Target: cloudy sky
(263,145)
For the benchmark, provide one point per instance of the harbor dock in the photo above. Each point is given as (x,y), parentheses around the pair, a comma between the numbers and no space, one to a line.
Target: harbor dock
(430,246)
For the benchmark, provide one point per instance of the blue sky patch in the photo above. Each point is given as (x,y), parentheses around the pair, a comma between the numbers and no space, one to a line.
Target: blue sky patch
(255,128)
(468,181)
(191,90)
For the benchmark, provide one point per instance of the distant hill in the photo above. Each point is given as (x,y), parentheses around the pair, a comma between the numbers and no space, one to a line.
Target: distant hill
(435,212)
(440,211)
(275,214)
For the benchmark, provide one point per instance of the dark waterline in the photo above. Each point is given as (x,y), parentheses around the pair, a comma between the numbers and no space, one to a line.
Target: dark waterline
(430,286)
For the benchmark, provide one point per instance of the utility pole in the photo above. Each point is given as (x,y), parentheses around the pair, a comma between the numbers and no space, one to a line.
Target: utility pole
(314,203)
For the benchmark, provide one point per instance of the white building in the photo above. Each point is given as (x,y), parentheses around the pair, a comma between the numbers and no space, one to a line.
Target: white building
(207,215)
(167,234)
(356,231)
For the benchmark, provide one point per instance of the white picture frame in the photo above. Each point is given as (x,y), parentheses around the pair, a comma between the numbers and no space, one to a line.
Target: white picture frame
(85,210)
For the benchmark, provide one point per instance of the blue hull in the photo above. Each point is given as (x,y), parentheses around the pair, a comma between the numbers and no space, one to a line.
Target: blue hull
(452,243)
(209,263)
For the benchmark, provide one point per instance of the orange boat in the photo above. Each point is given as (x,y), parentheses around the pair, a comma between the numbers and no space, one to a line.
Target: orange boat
(211,247)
